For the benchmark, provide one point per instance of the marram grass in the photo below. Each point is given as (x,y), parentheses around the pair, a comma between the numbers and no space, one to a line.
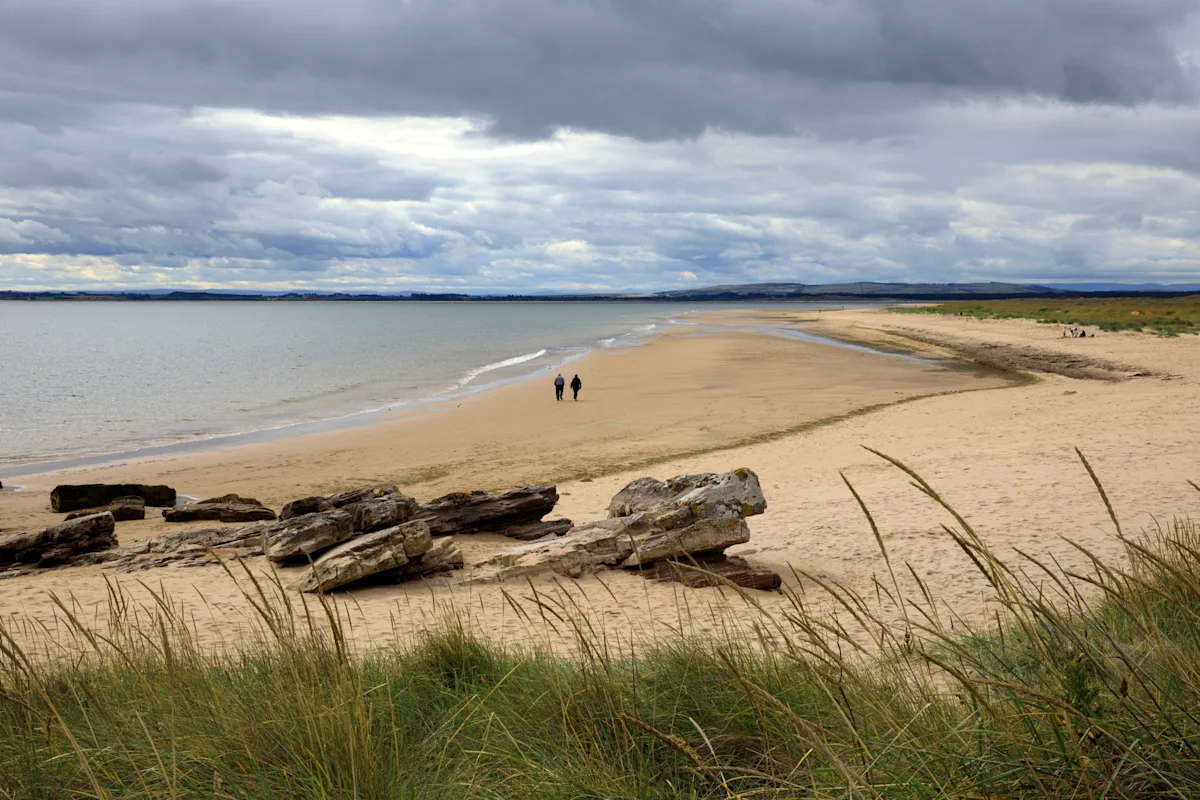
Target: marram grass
(1166,316)
(1089,687)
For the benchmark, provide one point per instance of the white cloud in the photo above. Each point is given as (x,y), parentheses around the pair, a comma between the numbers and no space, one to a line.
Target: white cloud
(28,231)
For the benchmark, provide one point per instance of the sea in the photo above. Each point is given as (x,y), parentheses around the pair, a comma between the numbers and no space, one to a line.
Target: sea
(88,382)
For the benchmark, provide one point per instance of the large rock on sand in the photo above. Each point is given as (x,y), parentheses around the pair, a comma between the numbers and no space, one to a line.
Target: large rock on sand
(532,531)
(58,543)
(231,499)
(247,536)
(475,512)
(306,534)
(708,495)
(305,505)
(442,556)
(358,495)
(366,555)
(123,509)
(714,571)
(381,512)
(605,543)
(317,504)
(626,542)
(68,497)
(217,512)
(711,535)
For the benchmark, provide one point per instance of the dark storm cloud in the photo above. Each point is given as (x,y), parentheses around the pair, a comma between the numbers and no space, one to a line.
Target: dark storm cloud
(645,68)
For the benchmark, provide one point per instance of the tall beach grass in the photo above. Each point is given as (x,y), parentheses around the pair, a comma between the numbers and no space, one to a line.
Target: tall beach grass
(1165,316)
(1086,685)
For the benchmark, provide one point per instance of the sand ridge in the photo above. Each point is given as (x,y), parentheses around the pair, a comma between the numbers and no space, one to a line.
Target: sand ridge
(1002,453)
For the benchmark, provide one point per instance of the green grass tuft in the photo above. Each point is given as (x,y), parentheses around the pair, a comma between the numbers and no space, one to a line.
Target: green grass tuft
(1163,316)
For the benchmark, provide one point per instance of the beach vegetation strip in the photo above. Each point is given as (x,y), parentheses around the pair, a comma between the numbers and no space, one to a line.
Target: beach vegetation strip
(1161,315)
(1087,686)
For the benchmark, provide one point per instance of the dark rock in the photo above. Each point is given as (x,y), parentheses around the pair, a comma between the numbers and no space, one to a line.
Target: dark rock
(359,495)
(217,512)
(381,512)
(93,495)
(442,556)
(305,505)
(307,534)
(231,499)
(726,494)
(531,531)
(57,543)
(474,512)
(695,575)
(366,555)
(123,509)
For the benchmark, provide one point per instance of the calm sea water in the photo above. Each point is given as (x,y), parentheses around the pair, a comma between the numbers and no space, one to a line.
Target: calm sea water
(81,379)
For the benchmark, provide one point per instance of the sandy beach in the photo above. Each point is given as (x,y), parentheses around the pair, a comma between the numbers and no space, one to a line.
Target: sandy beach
(995,434)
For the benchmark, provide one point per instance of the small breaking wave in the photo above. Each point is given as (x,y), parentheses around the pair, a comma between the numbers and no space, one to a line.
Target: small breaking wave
(508,362)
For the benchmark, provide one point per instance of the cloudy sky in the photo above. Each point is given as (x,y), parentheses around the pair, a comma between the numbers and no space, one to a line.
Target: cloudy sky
(580,145)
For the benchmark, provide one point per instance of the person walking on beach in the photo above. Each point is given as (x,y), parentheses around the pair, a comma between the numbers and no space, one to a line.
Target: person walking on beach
(576,385)
(559,383)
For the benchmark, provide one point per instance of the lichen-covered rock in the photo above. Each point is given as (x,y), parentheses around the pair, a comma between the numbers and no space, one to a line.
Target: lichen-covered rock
(708,495)
(307,534)
(366,555)
(474,512)
(58,543)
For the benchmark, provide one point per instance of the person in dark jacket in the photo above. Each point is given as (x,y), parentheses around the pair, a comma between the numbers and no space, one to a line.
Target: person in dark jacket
(576,385)
(559,383)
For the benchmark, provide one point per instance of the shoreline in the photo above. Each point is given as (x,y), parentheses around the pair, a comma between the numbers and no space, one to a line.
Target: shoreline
(666,398)
(216,442)
(440,401)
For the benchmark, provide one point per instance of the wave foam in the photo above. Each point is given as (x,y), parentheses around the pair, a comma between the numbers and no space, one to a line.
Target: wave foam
(508,362)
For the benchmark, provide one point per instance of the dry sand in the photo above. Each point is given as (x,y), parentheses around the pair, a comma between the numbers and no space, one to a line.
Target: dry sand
(796,413)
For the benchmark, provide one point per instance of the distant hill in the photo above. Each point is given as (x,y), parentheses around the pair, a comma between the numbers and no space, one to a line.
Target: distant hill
(863,291)
(848,292)
(1125,287)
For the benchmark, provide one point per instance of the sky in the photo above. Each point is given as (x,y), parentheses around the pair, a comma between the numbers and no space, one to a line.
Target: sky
(495,146)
